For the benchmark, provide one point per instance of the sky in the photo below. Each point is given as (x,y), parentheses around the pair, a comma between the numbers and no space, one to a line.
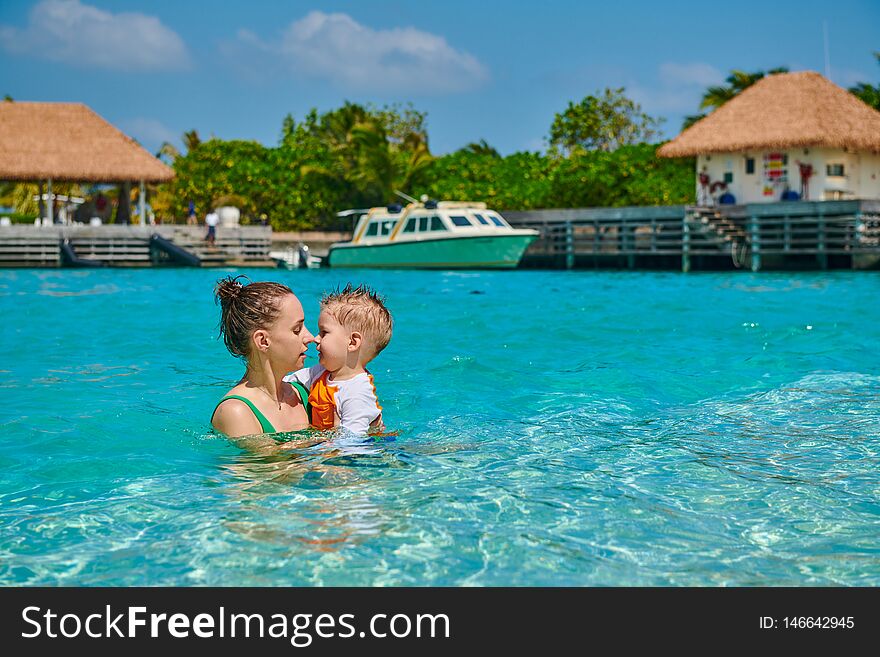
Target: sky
(489,70)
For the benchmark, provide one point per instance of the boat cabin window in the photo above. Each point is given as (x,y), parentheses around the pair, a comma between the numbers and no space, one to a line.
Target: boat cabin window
(459,220)
(411,224)
(436,223)
(496,220)
(380,227)
(423,224)
(481,219)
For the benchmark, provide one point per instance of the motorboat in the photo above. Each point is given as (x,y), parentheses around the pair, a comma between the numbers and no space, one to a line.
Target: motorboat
(431,235)
(297,257)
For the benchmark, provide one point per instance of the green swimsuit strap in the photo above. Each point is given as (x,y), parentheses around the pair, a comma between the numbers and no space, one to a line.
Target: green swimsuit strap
(265,425)
(304,396)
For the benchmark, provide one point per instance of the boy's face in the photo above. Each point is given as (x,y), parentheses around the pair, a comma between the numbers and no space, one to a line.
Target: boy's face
(333,340)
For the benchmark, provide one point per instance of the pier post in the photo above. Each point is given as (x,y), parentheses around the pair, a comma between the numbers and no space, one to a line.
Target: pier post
(686,244)
(142,204)
(630,232)
(569,245)
(755,237)
(50,203)
(821,247)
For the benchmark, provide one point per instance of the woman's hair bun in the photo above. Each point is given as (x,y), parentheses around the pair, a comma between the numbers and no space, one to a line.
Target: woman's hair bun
(228,289)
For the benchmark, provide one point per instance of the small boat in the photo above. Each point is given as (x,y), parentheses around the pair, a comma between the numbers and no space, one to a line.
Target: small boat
(432,235)
(295,258)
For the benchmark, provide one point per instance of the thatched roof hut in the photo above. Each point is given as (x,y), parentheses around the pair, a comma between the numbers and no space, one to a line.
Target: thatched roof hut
(788,110)
(69,142)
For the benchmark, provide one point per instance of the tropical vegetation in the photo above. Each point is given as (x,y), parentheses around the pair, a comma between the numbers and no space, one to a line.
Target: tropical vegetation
(360,156)
(869,93)
(600,153)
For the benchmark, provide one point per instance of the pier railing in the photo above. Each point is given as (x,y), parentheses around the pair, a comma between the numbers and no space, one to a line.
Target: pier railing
(131,246)
(774,235)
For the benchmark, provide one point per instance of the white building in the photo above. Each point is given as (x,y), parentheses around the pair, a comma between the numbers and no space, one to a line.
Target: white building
(789,136)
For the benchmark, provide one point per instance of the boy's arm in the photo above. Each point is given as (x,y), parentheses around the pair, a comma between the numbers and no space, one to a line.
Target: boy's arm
(306,375)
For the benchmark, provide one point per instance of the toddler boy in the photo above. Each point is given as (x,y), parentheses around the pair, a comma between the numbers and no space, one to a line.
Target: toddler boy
(353,327)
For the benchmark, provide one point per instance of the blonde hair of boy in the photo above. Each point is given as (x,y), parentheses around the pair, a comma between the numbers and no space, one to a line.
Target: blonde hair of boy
(361,309)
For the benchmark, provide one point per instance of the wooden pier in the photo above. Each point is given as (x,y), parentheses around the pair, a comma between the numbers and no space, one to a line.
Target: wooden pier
(794,235)
(133,246)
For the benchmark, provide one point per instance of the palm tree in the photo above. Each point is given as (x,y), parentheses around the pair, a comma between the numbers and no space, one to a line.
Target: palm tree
(168,151)
(191,139)
(366,158)
(690,120)
(481,147)
(382,168)
(868,92)
(737,82)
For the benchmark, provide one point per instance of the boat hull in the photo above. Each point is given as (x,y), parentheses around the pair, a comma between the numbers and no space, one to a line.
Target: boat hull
(471,252)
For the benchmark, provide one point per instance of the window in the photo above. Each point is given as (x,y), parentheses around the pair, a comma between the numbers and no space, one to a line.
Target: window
(496,220)
(460,221)
(750,165)
(372,229)
(728,177)
(481,219)
(423,224)
(411,225)
(834,170)
(436,224)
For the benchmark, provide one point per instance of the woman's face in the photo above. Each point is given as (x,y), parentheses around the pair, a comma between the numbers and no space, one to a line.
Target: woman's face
(288,336)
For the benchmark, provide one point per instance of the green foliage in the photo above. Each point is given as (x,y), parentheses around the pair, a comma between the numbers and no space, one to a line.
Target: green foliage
(631,175)
(868,93)
(603,123)
(356,156)
(517,182)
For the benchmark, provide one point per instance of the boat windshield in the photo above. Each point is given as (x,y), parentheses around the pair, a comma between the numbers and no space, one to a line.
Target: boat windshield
(498,221)
(380,227)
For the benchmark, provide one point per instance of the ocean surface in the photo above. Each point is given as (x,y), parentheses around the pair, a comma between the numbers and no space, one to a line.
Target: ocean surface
(554,428)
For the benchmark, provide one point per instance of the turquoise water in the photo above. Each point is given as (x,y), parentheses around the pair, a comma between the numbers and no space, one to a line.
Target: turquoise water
(556,428)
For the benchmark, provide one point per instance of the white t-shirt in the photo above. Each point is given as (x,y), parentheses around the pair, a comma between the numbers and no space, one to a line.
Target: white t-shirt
(354,399)
(212,219)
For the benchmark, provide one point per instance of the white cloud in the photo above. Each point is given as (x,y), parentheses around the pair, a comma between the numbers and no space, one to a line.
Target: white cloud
(337,48)
(71,32)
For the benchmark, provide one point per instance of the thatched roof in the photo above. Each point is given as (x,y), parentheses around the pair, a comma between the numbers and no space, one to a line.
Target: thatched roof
(68,141)
(783,111)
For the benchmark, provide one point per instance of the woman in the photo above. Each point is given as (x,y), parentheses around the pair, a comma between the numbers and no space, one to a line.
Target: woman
(264,325)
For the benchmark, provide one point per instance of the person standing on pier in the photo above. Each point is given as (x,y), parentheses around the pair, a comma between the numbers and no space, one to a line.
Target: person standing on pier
(211,221)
